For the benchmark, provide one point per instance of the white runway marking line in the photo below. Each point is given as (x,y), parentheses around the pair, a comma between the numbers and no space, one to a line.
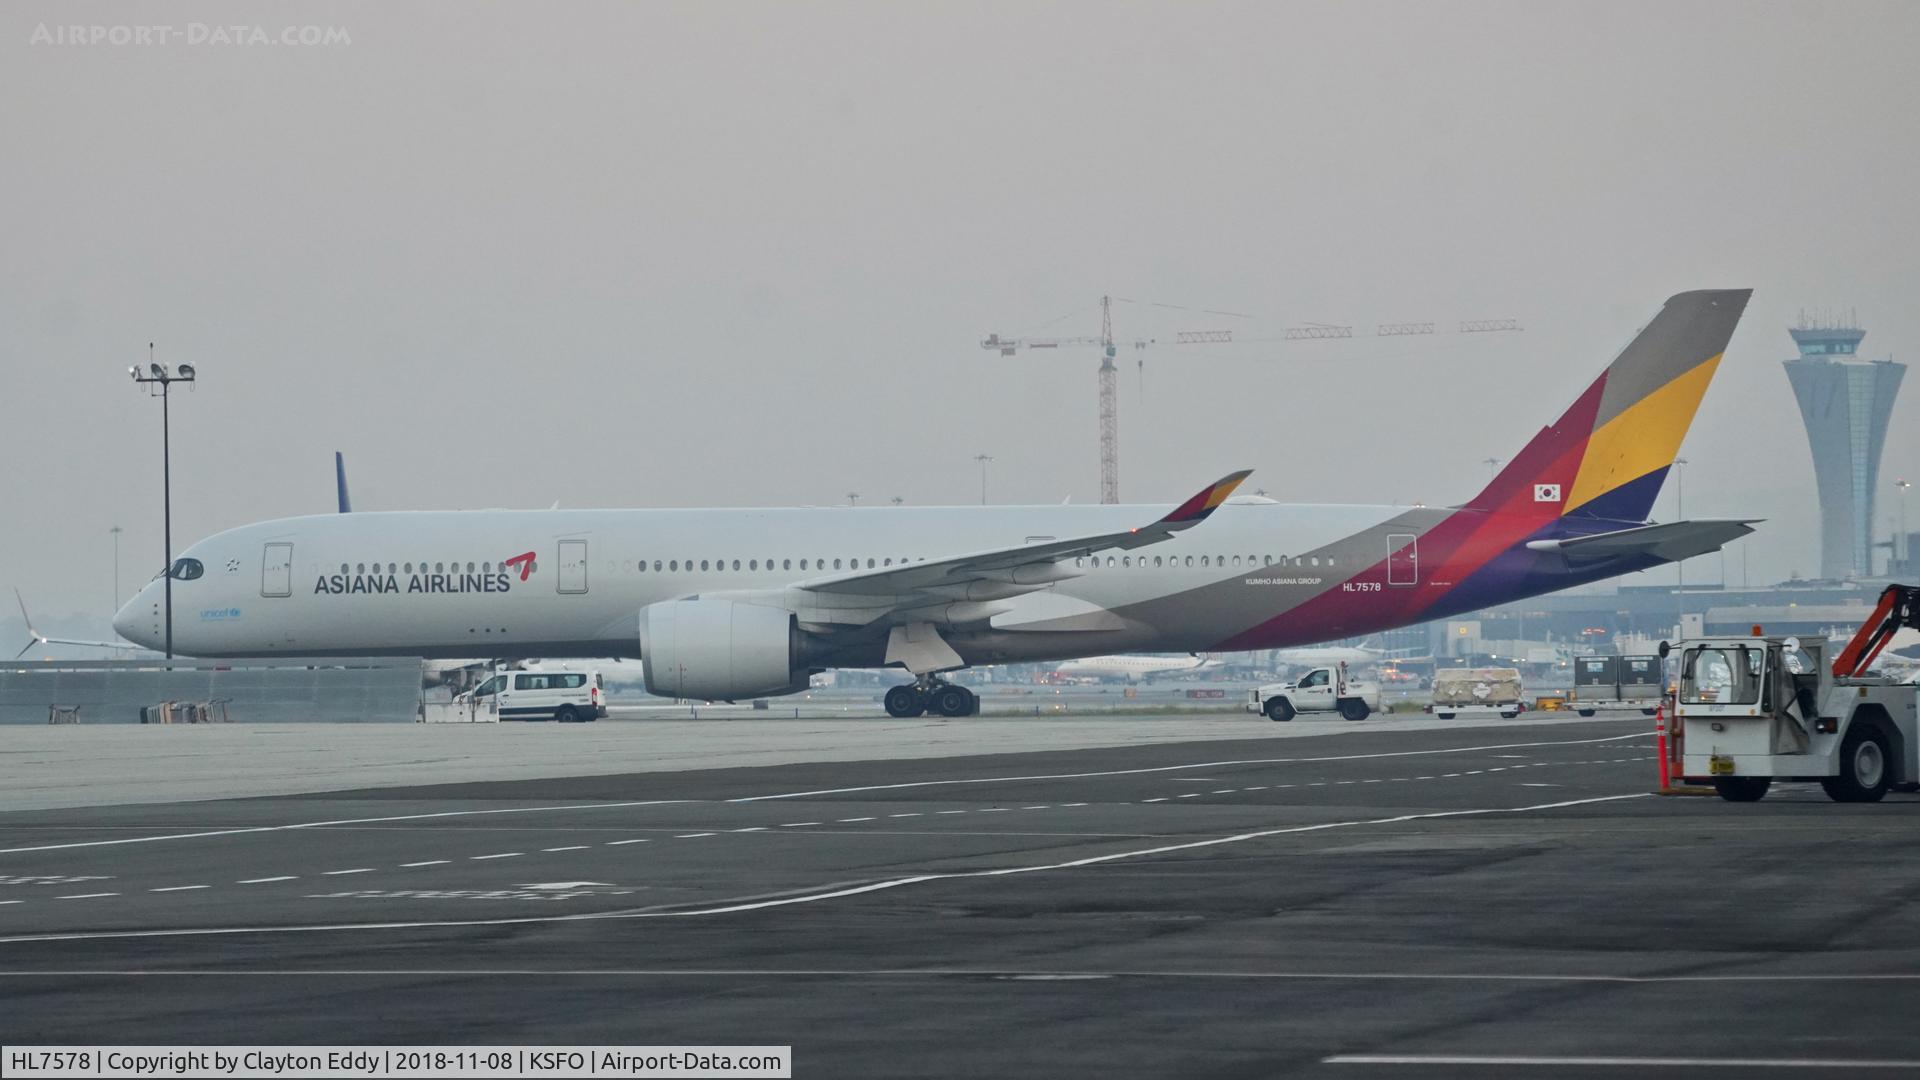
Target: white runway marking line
(355,870)
(967,973)
(837,893)
(501,855)
(1618,1062)
(617,843)
(750,828)
(1023,808)
(264,880)
(425,862)
(325,824)
(801,824)
(569,847)
(847,819)
(180,888)
(1174,768)
(692,835)
(86,896)
(917,813)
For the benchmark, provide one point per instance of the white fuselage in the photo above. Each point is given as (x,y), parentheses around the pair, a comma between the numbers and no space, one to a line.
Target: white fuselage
(1132,668)
(434,584)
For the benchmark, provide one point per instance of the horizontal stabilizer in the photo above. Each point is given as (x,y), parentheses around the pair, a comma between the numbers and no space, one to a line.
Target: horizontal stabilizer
(1670,542)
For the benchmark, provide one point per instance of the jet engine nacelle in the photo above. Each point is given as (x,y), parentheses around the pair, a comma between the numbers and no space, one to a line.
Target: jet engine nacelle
(720,650)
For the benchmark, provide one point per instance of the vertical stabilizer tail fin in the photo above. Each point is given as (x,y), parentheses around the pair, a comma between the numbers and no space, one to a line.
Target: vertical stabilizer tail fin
(1608,454)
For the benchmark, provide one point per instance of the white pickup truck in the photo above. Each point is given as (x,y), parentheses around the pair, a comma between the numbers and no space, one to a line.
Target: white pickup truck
(1325,689)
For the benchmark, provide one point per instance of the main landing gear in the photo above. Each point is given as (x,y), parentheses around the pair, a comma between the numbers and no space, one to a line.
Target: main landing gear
(930,695)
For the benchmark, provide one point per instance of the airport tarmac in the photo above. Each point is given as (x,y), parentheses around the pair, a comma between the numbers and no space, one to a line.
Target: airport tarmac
(1320,899)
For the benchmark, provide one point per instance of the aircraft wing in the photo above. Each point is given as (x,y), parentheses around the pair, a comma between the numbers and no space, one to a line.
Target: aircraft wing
(1672,542)
(1023,568)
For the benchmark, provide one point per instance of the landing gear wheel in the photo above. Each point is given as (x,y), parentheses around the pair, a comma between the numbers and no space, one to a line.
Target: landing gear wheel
(905,701)
(1743,788)
(566,714)
(1279,710)
(1354,709)
(1864,776)
(950,700)
(1585,712)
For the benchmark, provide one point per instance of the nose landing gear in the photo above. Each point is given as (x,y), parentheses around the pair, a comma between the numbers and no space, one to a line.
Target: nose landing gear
(928,694)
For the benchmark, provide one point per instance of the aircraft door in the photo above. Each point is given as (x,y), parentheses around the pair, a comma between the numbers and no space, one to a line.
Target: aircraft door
(1403,559)
(573,566)
(276,570)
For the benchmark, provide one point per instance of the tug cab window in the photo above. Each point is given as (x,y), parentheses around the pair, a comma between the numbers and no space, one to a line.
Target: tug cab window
(1721,676)
(186,569)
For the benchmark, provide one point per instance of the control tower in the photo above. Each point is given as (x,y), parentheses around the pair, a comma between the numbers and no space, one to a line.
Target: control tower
(1845,402)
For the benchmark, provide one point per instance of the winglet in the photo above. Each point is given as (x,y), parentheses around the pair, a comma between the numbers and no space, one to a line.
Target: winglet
(1196,509)
(340,481)
(32,634)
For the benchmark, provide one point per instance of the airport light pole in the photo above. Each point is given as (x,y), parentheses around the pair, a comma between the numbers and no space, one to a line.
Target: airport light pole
(1679,565)
(1903,545)
(115,531)
(983,459)
(158,375)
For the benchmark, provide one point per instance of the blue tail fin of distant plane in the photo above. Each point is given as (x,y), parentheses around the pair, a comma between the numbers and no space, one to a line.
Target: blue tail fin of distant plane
(340,480)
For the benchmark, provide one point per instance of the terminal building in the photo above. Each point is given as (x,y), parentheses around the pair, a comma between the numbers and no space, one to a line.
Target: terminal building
(1846,402)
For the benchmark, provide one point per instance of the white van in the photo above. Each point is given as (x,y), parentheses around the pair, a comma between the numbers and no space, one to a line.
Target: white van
(563,695)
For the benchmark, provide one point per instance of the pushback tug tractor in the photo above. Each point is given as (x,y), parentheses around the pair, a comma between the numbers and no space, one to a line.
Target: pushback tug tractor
(1758,709)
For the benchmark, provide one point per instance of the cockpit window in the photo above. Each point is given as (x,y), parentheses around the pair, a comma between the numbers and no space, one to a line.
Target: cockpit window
(187,569)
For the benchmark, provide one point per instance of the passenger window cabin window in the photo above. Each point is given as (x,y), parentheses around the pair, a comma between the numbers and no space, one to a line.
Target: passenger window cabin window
(674,565)
(1156,560)
(786,564)
(1204,562)
(1236,560)
(753,564)
(703,564)
(736,564)
(343,569)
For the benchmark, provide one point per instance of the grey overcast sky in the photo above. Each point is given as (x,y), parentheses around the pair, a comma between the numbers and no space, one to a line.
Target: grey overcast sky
(718,254)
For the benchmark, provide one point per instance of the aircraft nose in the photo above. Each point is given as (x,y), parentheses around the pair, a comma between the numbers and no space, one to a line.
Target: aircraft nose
(134,621)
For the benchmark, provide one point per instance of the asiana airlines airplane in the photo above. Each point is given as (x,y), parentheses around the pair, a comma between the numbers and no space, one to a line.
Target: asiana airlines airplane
(730,604)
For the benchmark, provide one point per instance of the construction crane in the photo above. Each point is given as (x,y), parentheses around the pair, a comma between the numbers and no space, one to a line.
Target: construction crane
(1108,374)
(1108,377)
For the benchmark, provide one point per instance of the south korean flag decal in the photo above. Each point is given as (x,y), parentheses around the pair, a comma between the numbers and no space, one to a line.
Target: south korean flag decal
(1547,493)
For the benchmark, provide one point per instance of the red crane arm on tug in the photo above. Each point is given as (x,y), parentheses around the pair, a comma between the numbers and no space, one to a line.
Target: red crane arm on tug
(1899,607)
